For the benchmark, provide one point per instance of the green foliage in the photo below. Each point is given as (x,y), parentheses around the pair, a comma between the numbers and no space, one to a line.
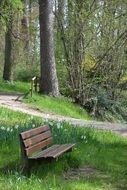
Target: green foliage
(8,8)
(104,108)
(26,72)
(89,63)
(16,4)
(123,82)
(95,53)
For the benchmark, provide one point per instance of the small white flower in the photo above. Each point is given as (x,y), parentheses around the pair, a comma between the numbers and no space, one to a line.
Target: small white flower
(33,125)
(8,129)
(39,180)
(59,126)
(18,179)
(46,120)
(32,117)
(16,126)
(3,128)
(82,137)
(11,130)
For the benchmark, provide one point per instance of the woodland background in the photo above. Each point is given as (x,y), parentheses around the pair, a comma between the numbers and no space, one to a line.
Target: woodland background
(90,41)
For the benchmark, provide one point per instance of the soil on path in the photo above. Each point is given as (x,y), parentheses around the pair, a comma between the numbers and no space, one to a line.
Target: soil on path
(9,101)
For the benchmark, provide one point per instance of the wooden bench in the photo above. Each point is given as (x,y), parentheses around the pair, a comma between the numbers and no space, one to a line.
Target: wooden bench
(35,146)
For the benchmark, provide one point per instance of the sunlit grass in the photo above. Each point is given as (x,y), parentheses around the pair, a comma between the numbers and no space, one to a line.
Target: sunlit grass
(13,87)
(104,151)
(10,117)
(60,106)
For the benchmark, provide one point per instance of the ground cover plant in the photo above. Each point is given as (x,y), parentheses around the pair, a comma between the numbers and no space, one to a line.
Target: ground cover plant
(103,151)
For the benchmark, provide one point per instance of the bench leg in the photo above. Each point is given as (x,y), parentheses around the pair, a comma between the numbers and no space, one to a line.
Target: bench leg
(27,167)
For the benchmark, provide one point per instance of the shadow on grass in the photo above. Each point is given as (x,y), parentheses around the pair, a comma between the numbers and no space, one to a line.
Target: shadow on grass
(11,167)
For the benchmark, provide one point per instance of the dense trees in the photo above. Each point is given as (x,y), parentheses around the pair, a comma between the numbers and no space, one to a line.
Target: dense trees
(94,38)
(90,48)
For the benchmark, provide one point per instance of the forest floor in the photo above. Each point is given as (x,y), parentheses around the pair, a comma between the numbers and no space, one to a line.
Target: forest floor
(9,101)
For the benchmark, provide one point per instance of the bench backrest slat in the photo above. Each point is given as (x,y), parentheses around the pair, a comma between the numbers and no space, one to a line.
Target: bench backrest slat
(39,146)
(33,132)
(36,139)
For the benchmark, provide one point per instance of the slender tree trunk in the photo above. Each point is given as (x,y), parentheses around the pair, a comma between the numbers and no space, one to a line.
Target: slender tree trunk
(8,53)
(48,82)
(25,29)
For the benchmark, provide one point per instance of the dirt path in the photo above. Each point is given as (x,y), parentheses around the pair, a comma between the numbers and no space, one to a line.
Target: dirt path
(8,101)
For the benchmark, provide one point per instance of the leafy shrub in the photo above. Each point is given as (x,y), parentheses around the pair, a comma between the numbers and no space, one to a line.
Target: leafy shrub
(26,72)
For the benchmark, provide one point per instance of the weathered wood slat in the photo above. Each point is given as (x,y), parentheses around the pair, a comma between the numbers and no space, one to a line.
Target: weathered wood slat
(54,151)
(39,155)
(39,146)
(34,132)
(60,150)
(36,139)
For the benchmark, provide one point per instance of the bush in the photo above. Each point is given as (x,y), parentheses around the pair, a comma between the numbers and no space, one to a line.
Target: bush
(26,72)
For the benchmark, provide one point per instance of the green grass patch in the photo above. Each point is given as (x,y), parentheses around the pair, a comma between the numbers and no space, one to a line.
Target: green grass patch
(14,87)
(104,151)
(60,106)
(11,118)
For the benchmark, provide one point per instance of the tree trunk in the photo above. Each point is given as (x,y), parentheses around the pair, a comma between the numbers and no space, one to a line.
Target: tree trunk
(8,53)
(49,81)
(25,28)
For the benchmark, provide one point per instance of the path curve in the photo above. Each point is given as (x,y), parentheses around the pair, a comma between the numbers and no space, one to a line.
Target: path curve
(9,101)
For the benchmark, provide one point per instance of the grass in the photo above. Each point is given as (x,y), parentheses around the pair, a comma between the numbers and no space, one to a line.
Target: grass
(104,151)
(12,118)
(60,106)
(14,87)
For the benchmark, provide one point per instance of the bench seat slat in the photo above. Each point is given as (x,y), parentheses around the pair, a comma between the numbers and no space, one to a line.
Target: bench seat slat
(54,151)
(60,150)
(33,132)
(39,154)
(36,139)
(38,146)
